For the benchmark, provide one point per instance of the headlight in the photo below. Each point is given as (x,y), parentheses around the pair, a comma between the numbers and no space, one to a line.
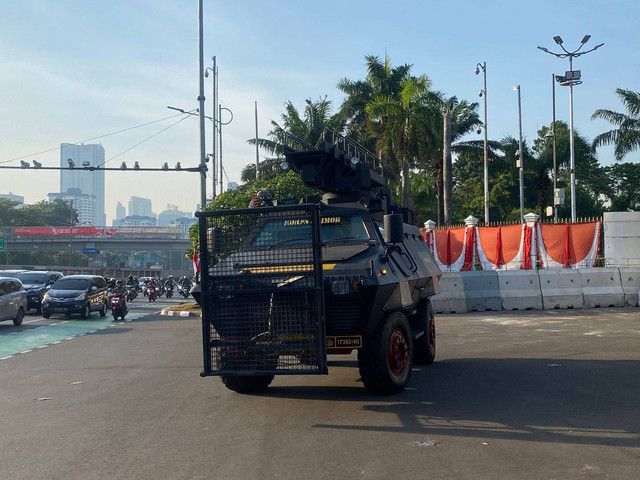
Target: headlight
(82,296)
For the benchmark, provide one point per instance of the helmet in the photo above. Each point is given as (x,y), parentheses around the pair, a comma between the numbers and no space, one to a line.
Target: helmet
(119,283)
(130,277)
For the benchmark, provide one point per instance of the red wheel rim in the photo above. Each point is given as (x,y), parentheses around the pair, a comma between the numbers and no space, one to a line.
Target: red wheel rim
(398,352)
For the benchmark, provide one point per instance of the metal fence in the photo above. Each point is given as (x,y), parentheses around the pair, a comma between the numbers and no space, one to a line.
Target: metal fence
(262,299)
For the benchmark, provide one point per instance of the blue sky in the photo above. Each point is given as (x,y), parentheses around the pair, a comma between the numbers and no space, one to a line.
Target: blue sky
(73,70)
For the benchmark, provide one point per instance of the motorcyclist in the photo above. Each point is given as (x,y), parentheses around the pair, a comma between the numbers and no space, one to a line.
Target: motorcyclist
(112,283)
(169,282)
(119,288)
(131,282)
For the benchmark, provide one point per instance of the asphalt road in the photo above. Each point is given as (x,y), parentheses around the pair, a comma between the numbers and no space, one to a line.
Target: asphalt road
(513,395)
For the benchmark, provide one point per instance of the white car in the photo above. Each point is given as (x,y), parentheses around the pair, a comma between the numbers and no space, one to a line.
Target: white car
(13,300)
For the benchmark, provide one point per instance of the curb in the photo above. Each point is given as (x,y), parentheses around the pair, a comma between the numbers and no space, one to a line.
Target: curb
(178,313)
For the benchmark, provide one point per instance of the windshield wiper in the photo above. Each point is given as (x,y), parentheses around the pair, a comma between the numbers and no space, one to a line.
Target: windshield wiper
(343,239)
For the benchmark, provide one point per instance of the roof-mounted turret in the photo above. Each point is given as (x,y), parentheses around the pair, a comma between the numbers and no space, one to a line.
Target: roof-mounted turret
(340,166)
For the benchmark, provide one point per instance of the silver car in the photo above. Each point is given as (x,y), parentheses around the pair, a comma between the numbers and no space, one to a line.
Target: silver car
(13,300)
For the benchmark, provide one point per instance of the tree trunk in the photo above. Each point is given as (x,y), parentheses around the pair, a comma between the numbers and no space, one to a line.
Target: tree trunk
(405,182)
(446,168)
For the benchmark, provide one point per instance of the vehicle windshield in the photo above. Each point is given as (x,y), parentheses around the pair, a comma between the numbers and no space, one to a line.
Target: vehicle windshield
(343,228)
(32,277)
(71,284)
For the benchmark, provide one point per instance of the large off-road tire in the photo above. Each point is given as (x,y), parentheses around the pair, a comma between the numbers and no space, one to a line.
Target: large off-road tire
(247,384)
(424,347)
(86,312)
(103,310)
(19,317)
(385,361)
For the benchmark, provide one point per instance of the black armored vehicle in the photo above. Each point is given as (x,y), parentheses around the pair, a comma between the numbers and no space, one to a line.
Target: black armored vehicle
(284,283)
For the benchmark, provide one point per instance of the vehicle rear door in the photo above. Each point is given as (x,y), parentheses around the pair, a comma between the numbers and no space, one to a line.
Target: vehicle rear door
(4,301)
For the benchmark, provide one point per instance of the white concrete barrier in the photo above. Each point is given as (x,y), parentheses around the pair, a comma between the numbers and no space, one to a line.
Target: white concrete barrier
(451,298)
(630,280)
(601,287)
(482,291)
(520,289)
(560,289)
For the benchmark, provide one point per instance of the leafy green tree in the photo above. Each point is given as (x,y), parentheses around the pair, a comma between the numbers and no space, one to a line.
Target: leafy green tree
(625,186)
(625,138)
(41,214)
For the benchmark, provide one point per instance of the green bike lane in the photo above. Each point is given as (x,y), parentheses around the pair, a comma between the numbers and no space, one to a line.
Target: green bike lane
(25,341)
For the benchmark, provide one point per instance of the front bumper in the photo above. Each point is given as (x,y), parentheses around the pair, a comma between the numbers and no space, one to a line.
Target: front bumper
(66,307)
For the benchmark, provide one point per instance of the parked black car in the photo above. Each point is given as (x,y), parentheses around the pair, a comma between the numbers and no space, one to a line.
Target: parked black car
(80,294)
(36,283)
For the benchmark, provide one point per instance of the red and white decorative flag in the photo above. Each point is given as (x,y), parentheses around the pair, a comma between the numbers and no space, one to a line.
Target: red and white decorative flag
(196,263)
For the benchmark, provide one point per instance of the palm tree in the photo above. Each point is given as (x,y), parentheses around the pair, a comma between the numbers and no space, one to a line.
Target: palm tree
(309,126)
(626,138)
(382,81)
(402,120)
(444,124)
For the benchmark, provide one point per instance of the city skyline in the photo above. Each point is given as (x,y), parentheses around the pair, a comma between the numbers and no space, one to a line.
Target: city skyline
(109,76)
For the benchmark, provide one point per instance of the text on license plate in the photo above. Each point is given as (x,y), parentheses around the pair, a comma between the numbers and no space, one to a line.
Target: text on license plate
(346,341)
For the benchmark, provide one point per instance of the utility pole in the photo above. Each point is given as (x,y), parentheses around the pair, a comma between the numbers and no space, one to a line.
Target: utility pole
(257,153)
(214,157)
(553,132)
(220,130)
(520,156)
(483,66)
(203,152)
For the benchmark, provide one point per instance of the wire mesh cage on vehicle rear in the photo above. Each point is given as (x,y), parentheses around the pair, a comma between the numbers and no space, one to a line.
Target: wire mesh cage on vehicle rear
(262,297)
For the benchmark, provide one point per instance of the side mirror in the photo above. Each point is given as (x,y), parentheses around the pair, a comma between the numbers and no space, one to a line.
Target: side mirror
(393,228)
(94,288)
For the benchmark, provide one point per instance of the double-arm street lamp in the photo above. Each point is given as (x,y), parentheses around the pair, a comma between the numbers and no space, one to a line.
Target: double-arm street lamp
(570,79)
(483,66)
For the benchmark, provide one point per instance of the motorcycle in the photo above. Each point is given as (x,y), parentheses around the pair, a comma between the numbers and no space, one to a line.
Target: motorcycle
(131,294)
(152,294)
(183,291)
(168,291)
(118,306)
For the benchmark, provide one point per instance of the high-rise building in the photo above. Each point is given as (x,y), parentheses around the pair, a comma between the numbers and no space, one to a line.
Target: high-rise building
(89,182)
(82,203)
(121,212)
(140,206)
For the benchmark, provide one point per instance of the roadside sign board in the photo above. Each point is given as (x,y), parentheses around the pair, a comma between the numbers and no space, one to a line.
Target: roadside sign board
(2,247)
(91,251)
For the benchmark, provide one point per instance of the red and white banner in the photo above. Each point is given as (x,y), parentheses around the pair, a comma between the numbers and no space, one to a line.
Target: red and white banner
(515,247)
(63,231)
(453,249)
(568,245)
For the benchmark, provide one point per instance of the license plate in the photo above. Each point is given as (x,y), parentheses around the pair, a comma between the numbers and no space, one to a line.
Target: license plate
(345,341)
(59,309)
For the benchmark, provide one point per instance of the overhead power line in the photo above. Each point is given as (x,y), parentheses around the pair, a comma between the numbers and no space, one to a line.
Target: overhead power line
(94,138)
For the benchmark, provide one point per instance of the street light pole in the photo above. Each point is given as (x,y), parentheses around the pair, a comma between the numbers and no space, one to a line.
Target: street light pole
(520,156)
(553,132)
(483,66)
(203,153)
(215,114)
(570,79)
